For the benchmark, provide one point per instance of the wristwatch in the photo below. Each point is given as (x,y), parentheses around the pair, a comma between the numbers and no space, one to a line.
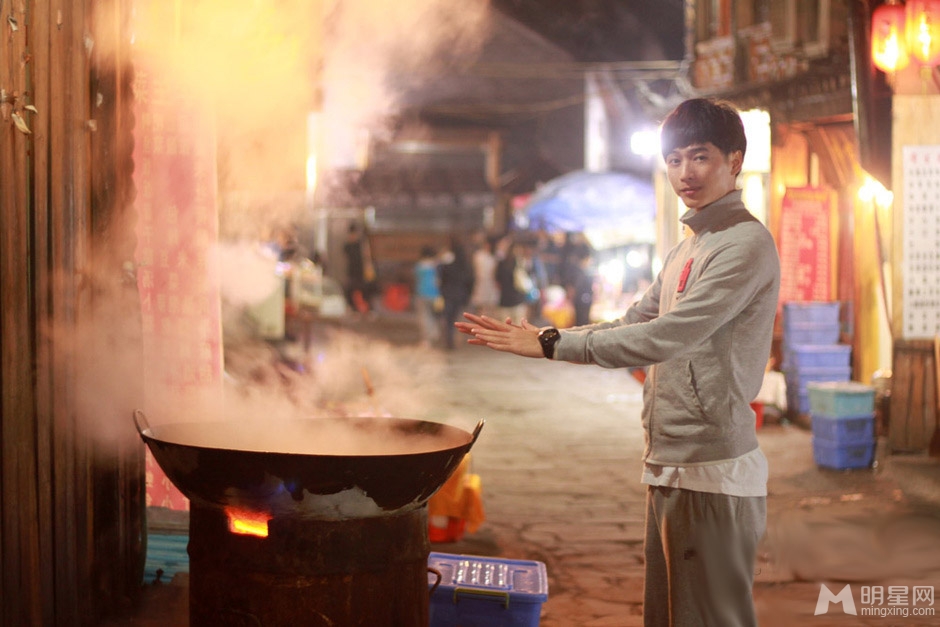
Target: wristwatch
(547,338)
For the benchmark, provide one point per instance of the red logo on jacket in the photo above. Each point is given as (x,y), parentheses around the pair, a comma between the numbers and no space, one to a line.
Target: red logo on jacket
(684,277)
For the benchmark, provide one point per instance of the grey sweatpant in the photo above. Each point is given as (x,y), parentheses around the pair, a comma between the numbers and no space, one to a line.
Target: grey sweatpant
(700,557)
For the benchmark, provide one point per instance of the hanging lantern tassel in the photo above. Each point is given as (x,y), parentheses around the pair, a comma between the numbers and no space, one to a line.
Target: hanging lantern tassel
(888,38)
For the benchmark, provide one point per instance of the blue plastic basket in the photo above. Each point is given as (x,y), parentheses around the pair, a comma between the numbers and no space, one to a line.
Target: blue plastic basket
(817,356)
(841,398)
(811,312)
(166,553)
(844,430)
(796,402)
(800,379)
(830,455)
(485,591)
(802,333)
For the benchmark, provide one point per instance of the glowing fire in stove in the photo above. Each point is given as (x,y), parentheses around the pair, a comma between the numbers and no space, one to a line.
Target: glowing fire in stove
(248,523)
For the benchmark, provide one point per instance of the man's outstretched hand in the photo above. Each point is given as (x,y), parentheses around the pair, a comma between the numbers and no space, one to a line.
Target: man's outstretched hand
(520,339)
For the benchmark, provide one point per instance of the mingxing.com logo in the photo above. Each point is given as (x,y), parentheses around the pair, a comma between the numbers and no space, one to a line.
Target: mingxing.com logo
(826,597)
(880,601)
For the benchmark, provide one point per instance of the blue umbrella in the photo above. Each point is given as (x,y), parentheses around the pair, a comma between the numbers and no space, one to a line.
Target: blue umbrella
(582,201)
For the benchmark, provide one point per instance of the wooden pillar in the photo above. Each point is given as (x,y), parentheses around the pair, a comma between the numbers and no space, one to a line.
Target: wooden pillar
(913,413)
(913,406)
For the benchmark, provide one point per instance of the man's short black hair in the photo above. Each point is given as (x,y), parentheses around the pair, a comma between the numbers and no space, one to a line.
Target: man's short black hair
(702,120)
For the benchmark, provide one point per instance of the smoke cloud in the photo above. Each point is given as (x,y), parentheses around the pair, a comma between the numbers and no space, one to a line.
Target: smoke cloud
(373,51)
(255,72)
(264,67)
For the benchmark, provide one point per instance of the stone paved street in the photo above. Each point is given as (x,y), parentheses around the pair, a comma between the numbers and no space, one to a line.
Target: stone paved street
(559,459)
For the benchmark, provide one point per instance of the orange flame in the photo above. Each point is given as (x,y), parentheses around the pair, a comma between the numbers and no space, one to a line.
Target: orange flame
(245,522)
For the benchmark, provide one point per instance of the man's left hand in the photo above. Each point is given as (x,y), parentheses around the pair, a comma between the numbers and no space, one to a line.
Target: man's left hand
(519,339)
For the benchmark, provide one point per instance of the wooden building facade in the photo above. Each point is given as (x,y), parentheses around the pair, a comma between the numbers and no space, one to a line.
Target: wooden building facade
(837,124)
(71,469)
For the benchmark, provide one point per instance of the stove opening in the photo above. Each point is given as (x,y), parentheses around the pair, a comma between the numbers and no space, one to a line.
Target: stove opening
(244,522)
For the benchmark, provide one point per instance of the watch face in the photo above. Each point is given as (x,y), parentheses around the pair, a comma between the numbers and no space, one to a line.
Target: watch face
(547,339)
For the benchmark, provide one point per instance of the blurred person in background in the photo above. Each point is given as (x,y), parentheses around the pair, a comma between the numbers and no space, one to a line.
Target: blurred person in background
(513,280)
(456,284)
(427,297)
(360,270)
(571,251)
(548,250)
(485,296)
(581,285)
(531,261)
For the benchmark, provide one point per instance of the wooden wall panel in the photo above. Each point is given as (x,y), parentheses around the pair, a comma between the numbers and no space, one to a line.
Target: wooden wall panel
(20,583)
(119,490)
(913,404)
(41,28)
(71,513)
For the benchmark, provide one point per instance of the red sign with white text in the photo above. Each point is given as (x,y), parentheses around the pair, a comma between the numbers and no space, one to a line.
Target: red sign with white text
(803,244)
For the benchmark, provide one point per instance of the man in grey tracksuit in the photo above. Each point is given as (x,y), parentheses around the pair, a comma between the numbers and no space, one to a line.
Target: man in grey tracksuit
(704,327)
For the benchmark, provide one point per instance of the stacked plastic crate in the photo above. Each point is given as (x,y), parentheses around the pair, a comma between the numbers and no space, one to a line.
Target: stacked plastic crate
(843,422)
(811,351)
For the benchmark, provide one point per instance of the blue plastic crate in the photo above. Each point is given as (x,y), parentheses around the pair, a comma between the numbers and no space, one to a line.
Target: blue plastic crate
(817,356)
(830,455)
(802,333)
(812,312)
(801,378)
(796,402)
(844,430)
(841,398)
(485,591)
(167,553)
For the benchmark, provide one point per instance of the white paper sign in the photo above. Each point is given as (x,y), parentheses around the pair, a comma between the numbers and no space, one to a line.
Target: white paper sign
(921,242)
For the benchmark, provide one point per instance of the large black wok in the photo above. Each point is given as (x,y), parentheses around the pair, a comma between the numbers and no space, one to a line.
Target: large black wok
(324,468)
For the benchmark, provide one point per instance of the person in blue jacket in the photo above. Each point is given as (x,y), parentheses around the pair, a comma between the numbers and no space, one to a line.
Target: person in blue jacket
(704,328)
(427,297)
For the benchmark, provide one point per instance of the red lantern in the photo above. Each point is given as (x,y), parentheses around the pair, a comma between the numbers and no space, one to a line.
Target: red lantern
(888,44)
(923,30)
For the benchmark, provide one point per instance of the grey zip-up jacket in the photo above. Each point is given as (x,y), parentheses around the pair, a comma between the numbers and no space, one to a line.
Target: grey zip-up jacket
(705,326)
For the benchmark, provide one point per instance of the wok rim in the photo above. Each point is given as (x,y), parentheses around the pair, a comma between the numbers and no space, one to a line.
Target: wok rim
(148,435)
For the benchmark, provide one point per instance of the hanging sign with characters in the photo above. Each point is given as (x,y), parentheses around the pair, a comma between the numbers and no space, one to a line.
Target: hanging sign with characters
(804,245)
(921,242)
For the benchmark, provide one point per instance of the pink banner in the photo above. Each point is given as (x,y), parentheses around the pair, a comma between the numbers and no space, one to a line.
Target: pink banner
(177,229)
(803,243)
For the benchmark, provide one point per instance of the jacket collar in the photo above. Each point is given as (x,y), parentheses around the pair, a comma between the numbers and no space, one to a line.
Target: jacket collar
(708,216)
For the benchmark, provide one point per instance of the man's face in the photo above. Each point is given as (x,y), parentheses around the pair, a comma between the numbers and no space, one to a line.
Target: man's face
(700,174)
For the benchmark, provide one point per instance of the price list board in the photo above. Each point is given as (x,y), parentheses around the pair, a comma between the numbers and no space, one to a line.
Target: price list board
(803,244)
(920,263)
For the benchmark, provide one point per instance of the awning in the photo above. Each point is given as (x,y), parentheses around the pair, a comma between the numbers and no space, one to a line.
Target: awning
(611,205)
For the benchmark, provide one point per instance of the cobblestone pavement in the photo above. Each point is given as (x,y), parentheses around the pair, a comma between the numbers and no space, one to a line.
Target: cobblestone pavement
(559,460)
